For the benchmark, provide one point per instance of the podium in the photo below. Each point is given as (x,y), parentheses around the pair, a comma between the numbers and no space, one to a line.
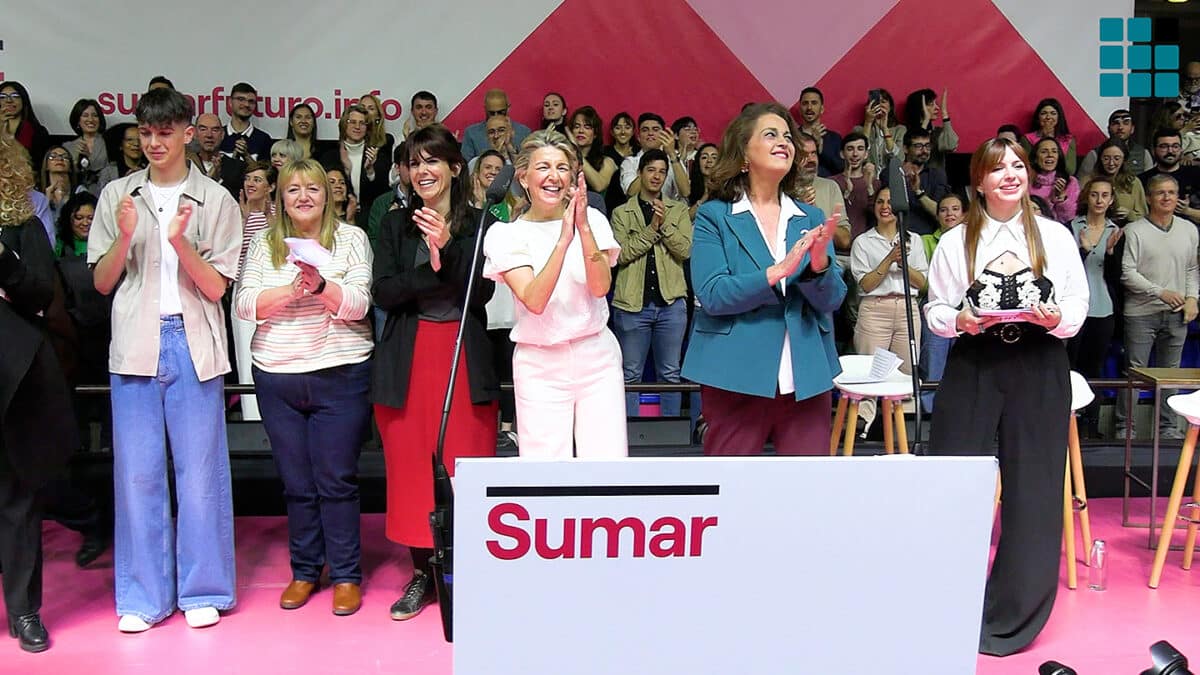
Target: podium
(718,565)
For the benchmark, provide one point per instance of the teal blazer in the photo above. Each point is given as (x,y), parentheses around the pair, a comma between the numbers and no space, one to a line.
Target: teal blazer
(737,335)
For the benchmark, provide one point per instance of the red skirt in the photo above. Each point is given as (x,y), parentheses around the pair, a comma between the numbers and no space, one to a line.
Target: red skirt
(410,433)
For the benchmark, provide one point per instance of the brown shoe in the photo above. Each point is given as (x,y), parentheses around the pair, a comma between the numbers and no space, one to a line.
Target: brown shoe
(296,594)
(347,598)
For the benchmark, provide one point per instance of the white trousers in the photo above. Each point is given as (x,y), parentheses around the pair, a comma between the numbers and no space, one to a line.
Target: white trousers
(572,390)
(243,333)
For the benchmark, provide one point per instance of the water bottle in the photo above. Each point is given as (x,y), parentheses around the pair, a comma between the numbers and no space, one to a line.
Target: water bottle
(1097,563)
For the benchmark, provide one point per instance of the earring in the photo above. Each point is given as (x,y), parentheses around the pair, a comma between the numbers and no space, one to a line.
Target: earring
(745,167)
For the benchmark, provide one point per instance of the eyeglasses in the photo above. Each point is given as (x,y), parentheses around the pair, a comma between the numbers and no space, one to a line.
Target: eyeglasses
(356,123)
(10,97)
(1124,119)
(921,146)
(496,132)
(497,113)
(1169,146)
(59,156)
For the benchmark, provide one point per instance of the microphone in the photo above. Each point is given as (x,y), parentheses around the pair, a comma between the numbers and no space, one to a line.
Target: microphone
(499,186)
(897,183)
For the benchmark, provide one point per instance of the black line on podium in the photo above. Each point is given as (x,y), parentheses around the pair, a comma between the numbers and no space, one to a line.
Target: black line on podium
(603,490)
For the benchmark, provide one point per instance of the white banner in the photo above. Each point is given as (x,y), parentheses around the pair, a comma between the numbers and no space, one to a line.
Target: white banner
(763,565)
(325,54)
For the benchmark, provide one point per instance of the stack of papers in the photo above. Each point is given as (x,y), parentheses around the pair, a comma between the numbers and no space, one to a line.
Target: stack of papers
(308,251)
(883,365)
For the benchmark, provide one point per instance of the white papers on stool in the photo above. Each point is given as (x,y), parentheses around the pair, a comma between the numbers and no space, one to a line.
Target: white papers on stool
(883,365)
(307,251)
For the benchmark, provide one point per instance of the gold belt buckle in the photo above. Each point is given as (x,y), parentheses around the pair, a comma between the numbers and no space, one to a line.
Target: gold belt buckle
(1010,333)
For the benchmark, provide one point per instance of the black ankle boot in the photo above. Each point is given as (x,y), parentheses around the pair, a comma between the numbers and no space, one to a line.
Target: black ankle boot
(30,632)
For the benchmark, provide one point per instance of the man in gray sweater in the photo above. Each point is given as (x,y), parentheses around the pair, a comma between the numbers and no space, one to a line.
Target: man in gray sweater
(1162,281)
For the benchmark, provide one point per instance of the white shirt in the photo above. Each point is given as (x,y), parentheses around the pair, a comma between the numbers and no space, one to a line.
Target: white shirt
(245,133)
(949,281)
(871,247)
(572,311)
(354,152)
(166,204)
(778,249)
(629,173)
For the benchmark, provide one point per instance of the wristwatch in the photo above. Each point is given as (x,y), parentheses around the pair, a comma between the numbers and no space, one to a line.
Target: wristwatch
(320,288)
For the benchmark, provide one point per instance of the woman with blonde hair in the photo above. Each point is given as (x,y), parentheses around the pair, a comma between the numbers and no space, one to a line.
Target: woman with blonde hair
(557,259)
(34,398)
(311,353)
(1011,287)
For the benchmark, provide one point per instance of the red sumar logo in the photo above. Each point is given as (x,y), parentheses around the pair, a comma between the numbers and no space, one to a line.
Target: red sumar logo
(518,533)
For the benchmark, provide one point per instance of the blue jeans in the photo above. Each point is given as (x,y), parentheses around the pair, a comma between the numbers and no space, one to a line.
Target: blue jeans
(315,422)
(160,567)
(932,361)
(663,327)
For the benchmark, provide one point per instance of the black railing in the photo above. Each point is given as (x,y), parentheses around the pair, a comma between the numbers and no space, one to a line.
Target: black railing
(639,387)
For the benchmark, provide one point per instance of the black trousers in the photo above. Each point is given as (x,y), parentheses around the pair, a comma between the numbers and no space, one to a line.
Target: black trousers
(20,542)
(1021,390)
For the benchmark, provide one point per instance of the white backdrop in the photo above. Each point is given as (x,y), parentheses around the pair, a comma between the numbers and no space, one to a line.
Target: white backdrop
(70,49)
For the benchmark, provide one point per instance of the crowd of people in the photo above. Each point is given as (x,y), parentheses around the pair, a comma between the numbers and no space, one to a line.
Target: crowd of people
(159,256)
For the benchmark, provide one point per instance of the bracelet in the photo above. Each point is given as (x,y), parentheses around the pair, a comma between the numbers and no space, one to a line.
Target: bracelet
(320,288)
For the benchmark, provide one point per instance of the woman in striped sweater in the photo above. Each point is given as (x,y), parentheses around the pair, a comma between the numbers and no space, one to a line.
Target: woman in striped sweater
(311,354)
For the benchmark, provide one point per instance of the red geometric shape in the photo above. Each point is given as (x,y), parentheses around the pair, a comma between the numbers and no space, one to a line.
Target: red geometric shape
(912,48)
(622,55)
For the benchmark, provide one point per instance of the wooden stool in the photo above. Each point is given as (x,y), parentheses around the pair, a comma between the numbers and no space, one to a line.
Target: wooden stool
(893,391)
(1074,490)
(1187,405)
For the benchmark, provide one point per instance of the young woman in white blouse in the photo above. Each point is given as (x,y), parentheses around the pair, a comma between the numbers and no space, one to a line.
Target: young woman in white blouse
(557,259)
(311,355)
(875,265)
(1011,286)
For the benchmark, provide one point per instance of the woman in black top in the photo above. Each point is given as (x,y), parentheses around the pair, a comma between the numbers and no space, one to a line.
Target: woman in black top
(423,260)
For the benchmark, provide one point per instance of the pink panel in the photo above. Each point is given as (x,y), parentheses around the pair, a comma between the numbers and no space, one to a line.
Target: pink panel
(968,46)
(789,45)
(622,55)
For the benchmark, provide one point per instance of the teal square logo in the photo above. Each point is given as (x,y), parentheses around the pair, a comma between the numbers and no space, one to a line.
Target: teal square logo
(1112,57)
(1139,85)
(1112,84)
(1166,85)
(1131,64)
(1166,57)
(1139,57)
(1139,29)
(1112,29)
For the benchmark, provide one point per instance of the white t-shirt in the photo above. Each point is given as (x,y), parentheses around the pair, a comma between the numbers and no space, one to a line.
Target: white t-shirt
(572,312)
(166,204)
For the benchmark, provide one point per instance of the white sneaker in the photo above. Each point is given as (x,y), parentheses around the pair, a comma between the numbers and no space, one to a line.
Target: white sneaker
(132,624)
(202,617)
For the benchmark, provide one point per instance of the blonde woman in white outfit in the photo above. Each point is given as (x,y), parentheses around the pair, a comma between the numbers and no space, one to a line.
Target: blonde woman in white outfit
(557,260)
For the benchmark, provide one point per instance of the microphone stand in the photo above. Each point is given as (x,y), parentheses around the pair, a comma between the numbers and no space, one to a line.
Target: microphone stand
(902,228)
(441,519)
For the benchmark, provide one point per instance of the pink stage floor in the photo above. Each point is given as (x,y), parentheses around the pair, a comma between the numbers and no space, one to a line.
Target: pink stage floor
(1097,633)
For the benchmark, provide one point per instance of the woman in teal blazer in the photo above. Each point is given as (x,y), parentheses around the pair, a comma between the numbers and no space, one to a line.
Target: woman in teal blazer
(767,281)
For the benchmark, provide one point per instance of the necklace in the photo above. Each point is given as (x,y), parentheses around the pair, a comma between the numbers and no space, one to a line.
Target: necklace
(163,196)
